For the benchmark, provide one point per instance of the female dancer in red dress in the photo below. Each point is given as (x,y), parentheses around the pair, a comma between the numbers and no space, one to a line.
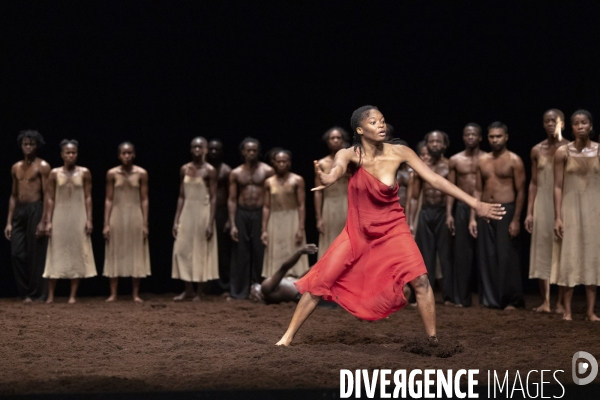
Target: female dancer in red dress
(366,268)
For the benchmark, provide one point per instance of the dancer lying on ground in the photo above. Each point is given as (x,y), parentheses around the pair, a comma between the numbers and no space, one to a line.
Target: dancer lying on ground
(367,267)
(278,288)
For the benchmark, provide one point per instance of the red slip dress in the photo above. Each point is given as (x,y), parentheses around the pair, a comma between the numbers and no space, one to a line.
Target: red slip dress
(366,267)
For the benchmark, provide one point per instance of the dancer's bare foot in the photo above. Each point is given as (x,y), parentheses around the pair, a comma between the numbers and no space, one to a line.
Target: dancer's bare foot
(138,300)
(567,317)
(458,305)
(560,309)
(72,300)
(284,342)
(433,341)
(27,300)
(509,308)
(197,298)
(448,303)
(183,296)
(111,299)
(50,300)
(543,308)
(592,317)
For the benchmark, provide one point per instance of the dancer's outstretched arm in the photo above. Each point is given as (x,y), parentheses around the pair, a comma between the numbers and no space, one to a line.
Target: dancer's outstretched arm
(484,210)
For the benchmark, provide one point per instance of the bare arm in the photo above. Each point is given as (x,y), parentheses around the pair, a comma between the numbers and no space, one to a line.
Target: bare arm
(144,200)
(180,201)
(559,170)
(301,197)
(44,174)
(213,177)
(519,179)
(266,212)
(110,190)
(232,205)
(49,199)
(318,201)
(450,200)
(532,190)
(477,194)
(338,169)
(12,202)
(87,189)
(413,190)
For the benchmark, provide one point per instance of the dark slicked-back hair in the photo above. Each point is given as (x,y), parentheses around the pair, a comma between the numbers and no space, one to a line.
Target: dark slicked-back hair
(389,130)
(556,111)
(401,142)
(249,140)
(473,125)
(583,112)
(125,144)
(66,142)
(444,136)
(498,125)
(30,134)
(345,135)
(357,116)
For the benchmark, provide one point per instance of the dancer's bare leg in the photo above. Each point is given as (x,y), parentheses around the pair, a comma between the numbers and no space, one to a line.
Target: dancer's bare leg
(269,284)
(590,295)
(114,284)
(74,286)
(545,293)
(306,306)
(198,296)
(568,296)
(187,293)
(51,289)
(135,282)
(560,303)
(425,304)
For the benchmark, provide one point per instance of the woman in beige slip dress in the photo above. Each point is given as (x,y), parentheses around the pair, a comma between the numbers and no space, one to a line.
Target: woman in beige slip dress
(195,252)
(283,218)
(69,222)
(576,254)
(126,223)
(540,207)
(331,204)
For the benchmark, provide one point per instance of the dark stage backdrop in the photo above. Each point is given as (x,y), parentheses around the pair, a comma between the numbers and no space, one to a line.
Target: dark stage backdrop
(158,73)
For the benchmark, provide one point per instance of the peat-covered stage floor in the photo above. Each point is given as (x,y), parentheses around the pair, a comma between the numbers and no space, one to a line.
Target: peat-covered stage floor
(93,347)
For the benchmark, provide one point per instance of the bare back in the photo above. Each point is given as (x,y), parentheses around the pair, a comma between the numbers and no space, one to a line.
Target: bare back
(250,184)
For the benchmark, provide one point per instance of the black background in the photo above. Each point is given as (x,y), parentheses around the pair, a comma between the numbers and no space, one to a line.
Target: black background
(159,73)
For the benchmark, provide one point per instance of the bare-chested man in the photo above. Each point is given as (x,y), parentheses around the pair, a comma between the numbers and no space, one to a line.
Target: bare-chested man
(245,203)
(25,224)
(433,237)
(540,207)
(463,173)
(501,179)
(215,158)
(331,204)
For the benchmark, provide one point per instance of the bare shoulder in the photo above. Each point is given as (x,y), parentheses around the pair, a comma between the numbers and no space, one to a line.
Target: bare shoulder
(561,152)
(55,171)
(16,166)
(267,168)
(44,165)
(484,158)
(515,158)
(85,171)
(140,170)
(535,150)
(457,157)
(225,168)
(297,178)
(210,168)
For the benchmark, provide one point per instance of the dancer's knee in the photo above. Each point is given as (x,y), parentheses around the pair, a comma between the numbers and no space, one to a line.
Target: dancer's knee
(420,284)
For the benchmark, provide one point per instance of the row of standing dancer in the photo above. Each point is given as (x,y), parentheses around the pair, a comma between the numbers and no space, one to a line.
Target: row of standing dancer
(257,203)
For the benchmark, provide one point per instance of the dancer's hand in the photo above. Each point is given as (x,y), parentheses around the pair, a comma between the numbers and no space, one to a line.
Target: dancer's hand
(559,230)
(49,229)
(174,230)
(489,211)
(264,238)
(325,179)
(88,227)
(209,231)
(234,233)
(106,233)
(514,228)
(8,231)
(226,227)
(310,248)
(320,225)
(145,231)
(412,229)
(40,230)
(529,223)
(473,228)
(299,236)
(450,224)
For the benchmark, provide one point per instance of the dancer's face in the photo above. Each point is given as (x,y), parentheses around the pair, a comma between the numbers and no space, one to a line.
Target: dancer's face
(551,119)
(29,146)
(424,155)
(250,151)
(471,137)
(126,155)
(581,127)
(69,154)
(282,163)
(435,144)
(198,148)
(215,150)
(497,138)
(372,127)
(335,141)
